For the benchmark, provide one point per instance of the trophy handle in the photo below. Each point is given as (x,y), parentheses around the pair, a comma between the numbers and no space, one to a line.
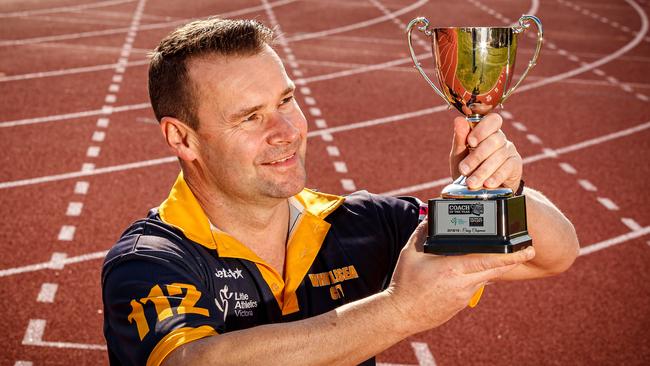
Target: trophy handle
(428,33)
(524,23)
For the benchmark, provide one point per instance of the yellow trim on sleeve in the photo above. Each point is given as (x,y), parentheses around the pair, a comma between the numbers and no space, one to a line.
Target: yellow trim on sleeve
(175,339)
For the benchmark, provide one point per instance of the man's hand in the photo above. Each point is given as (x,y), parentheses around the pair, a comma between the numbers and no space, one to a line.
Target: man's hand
(492,161)
(428,289)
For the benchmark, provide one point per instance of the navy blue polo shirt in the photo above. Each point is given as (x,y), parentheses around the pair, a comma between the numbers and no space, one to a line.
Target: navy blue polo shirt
(173,278)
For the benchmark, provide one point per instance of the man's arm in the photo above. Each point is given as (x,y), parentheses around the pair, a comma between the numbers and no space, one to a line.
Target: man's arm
(493,161)
(425,292)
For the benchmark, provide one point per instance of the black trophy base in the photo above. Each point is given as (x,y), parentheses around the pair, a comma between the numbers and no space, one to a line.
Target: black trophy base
(462,226)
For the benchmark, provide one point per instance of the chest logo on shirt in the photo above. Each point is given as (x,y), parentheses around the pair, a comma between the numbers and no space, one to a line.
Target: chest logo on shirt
(243,304)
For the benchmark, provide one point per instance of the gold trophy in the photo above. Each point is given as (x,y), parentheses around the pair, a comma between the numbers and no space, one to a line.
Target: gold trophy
(475,66)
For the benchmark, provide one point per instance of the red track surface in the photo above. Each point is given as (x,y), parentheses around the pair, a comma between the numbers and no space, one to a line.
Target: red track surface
(597,313)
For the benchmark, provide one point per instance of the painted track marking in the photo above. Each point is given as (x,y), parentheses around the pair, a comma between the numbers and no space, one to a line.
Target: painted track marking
(170,24)
(66,233)
(34,337)
(47,292)
(63,8)
(419,187)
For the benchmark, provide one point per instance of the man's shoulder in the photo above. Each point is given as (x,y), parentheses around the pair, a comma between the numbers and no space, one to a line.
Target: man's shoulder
(361,202)
(149,238)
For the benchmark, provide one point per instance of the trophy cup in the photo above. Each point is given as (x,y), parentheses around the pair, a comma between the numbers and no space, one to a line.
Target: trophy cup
(474,66)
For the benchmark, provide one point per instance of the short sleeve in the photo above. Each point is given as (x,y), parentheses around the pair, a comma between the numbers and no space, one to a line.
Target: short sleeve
(153,305)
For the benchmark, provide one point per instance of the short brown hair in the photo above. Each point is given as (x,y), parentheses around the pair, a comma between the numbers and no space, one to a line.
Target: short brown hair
(170,88)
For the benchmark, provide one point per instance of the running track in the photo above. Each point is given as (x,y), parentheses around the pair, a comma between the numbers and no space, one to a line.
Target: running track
(82,158)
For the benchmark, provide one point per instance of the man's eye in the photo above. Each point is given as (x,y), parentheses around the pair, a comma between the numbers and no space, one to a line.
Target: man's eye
(252,117)
(286,100)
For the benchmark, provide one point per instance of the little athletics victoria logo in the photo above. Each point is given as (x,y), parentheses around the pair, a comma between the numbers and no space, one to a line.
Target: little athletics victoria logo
(243,305)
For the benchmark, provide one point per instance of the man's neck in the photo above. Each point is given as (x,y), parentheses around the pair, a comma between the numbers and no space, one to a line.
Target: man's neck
(260,225)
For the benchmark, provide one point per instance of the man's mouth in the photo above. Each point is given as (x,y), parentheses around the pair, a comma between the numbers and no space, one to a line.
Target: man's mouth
(274,162)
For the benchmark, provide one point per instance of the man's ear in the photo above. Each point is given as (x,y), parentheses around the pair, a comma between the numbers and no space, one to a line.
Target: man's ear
(178,136)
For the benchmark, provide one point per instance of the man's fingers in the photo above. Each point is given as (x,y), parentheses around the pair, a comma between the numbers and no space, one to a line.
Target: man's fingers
(484,262)
(485,149)
(482,278)
(418,236)
(490,124)
(459,143)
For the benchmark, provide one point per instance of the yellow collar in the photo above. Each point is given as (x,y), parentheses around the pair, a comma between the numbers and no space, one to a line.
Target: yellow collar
(182,210)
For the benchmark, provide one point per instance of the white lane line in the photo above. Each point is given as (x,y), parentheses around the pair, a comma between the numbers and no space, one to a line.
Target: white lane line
(340,167)
(608,203)
(333,151)
(310,101)
(169,24)
(378,121)
(297,73)
(326,135)
(66,233)
(534,139)
(627,87)
(74,8)
(642,97)
(98,136)
(316,112)
(587,185)
(114,88)
(305,90)
(549,152)
(506,114)
(57,261)
(87,167)
(320,123)
(614,55)
(519,126)
(24,363)
(404,10)
(631,224)
(74,70)
(81,187)
(102,122)
(614,241)
(93,151)
(119,78)
(74,209)
(47,293)
(78,174)
(348,185)
(423,354)
(599,72)
(526,160)
(107,109)
(34,337)
(362,69)
(568,168)
(612,79)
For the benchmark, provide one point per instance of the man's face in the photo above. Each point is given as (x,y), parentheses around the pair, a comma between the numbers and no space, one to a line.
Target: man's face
(252,134)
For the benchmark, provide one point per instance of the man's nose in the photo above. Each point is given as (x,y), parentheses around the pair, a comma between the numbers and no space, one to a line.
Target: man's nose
(283,130)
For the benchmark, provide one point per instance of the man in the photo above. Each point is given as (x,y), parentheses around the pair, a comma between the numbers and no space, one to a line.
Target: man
(242,265)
